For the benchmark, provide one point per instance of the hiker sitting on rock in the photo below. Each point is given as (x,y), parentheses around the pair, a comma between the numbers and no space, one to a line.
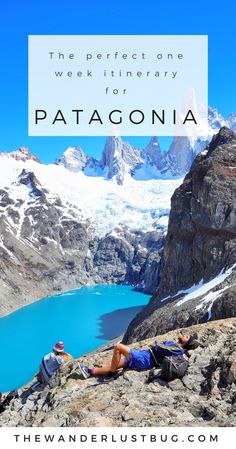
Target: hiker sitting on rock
(141,360)
(52,362)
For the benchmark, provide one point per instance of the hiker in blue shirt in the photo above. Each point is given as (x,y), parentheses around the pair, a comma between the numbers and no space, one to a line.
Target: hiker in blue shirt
(140,360)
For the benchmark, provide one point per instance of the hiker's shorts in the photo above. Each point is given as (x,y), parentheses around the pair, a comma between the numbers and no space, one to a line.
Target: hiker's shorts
(139,359)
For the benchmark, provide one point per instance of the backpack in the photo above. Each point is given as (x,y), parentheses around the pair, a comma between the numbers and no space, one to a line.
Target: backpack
(173,367)
(166,348)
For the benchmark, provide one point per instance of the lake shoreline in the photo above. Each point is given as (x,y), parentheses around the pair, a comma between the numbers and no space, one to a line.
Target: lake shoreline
(31,300)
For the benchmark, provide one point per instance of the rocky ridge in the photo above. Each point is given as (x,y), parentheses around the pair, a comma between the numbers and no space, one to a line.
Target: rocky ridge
(22,154)
(204,397)
(198,279)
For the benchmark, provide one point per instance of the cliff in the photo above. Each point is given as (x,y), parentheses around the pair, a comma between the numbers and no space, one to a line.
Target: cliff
(198,278)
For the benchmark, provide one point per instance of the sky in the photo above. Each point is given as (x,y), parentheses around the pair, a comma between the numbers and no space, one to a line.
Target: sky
(18,19)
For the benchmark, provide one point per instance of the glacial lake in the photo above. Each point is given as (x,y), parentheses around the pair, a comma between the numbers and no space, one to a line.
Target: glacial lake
(83,319)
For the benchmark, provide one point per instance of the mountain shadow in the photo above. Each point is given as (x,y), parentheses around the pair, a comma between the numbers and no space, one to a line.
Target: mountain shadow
(115,323)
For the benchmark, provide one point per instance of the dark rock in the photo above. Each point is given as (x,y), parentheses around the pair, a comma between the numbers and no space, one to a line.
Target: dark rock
(200,244)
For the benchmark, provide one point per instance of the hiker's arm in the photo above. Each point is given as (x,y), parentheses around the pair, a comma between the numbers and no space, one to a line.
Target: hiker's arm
(67,357)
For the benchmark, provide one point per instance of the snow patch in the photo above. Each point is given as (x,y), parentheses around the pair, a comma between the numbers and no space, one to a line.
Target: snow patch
(201,288)
(210,299)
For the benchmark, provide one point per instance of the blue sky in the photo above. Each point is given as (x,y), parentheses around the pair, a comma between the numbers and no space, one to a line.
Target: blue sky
(20,18)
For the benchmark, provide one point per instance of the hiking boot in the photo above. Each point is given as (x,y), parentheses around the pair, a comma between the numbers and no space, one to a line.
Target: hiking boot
(35,385)
(85,371)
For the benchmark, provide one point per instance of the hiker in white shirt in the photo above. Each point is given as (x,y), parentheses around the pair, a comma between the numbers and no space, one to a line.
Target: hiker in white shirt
(52,362)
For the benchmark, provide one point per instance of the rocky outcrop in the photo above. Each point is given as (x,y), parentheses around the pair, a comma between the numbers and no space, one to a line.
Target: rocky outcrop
(204,397)
(198,279)
(22,154)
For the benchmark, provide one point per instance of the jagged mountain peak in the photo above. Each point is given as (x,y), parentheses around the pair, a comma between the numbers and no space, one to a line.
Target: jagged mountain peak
(232,121)
(22,154)
(180,155)
(73,158)
(215,119)
(29,179)
(152,143)
(152,152)
(224,136)
(113,146)
(119,158)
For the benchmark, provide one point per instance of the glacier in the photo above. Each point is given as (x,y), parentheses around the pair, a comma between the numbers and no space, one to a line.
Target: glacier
(136,204)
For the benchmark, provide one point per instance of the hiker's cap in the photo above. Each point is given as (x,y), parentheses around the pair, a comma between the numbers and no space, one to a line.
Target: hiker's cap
(59,346)
(192,343)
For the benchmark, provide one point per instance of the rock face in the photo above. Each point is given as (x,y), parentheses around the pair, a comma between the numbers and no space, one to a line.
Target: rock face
(198,279)
(203,218)
(204,397)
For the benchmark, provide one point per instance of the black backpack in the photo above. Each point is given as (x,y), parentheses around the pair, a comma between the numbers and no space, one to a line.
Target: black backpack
(173,367)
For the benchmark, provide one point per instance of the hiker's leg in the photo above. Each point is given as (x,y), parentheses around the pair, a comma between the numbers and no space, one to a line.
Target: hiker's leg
(116,361)
(119,350)
(39,377)
(106,369)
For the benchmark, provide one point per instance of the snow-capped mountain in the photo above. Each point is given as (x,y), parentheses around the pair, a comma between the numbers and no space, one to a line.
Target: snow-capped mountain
(215,119)
(60,229)
(106,205)
(119,159)
(231,121)
(22,154)
(74,159)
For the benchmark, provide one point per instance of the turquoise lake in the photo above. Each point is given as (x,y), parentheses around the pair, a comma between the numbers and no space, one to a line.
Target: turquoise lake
(83,319)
